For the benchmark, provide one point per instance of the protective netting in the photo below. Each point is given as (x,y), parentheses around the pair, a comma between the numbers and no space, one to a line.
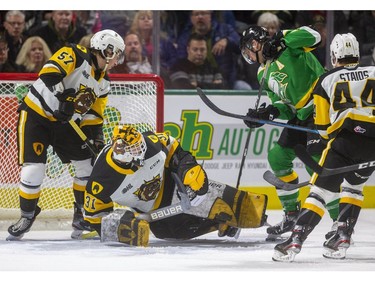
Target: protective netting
(134,99)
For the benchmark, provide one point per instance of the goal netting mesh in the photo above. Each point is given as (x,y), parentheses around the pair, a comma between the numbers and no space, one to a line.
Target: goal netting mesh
(134,99)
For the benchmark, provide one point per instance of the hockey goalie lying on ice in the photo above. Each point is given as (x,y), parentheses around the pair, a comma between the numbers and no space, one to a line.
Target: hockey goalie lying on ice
(140,171)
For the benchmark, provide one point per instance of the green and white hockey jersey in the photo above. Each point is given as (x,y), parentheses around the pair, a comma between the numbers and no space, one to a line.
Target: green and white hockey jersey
(291,78)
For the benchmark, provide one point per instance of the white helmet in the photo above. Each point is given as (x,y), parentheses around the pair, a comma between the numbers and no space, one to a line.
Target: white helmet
(108,42)
(344,46)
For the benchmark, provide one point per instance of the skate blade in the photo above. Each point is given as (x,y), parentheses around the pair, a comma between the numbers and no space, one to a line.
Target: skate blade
(335,254)
(84,235)
(281,257)
(275,238)
(14,238)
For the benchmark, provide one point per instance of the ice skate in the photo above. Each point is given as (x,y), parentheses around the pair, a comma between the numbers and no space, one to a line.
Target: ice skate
(22,226)
(286,251)
(81,229)
(286,225)
(337,245)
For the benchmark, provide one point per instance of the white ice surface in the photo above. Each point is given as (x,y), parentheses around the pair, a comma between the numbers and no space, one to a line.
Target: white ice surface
(248,256)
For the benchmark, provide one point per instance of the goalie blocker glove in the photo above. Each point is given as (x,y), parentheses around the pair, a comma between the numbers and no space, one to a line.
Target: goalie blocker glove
(265,113)
(66,105)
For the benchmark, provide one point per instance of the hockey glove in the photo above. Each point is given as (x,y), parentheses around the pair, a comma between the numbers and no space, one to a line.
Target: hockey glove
(273,47)
(95,134)
(133,231)
(66,105)
(265,113)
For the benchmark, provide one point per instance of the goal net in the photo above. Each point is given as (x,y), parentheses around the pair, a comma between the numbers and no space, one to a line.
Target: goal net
(136,99)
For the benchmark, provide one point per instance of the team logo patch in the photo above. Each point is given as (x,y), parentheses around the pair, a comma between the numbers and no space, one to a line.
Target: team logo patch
(96,187)
(149,189)
(85,98)
(38,148)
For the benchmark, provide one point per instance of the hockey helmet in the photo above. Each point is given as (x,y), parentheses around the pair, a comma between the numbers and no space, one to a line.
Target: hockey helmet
(344,46)
(109,43)
(253,32)
(128,145)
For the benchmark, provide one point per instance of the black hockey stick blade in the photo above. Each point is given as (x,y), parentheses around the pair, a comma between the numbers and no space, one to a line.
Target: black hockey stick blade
(306,158)
(272,179)
(220,111)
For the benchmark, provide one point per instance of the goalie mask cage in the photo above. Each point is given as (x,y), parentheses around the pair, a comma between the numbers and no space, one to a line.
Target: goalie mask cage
(134,99)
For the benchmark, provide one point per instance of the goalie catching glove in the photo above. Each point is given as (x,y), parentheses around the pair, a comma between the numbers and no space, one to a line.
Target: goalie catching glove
(264,113)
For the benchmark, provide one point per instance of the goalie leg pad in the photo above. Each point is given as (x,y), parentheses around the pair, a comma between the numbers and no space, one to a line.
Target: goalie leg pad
(236,208)
(122,226)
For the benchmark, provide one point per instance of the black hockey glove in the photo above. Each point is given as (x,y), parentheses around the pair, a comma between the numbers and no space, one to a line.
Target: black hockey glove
(66,106)
(273,47)
(95,134)
(265,113)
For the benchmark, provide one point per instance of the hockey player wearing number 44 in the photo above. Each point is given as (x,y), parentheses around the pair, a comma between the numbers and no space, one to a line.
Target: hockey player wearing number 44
(72,85)
(344,114)
(137,170)
(288,82)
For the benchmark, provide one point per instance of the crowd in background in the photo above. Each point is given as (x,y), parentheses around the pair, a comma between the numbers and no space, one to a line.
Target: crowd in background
(195,48)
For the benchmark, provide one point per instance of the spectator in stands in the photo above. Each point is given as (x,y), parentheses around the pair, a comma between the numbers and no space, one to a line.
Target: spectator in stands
(134,61)
(222,42)
(365,32)
(60,30)
(7,65)
(85,40)
(14,25)
(195,70)
(33,54)
(143,25)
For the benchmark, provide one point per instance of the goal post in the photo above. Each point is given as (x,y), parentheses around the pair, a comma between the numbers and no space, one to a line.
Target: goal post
(136,99)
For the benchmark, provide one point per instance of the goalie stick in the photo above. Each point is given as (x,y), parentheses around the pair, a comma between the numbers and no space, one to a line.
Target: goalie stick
(211,105)
(305,157)
(272,179)
(171,210)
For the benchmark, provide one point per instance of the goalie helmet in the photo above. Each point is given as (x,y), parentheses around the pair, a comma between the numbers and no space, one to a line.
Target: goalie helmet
(344,46)
(128,145)
(109,43)
(253,32)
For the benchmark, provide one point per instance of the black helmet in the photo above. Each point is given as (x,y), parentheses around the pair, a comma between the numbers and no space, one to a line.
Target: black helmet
(253,32)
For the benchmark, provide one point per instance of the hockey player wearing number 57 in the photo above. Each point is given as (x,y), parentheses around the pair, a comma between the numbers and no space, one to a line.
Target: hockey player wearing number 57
(73,84)
(344,114)
(137,171)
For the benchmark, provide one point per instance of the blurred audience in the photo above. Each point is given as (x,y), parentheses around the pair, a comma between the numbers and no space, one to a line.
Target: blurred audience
(33,54)
(134,61)
(7,65)
(195,70)
(143,25)
(60,30)
(222,42)
(14,26)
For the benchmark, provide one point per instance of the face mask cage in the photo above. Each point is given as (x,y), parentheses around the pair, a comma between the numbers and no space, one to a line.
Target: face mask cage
(124,152)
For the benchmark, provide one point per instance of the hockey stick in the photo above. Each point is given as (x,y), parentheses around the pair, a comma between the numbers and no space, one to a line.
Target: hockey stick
(272,179)
(171,210)
(246,148)
(306,158)
(211,105)
(83,137)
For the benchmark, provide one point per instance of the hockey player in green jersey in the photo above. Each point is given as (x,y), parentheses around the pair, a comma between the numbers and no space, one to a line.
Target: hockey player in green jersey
(288,82)
(344,114)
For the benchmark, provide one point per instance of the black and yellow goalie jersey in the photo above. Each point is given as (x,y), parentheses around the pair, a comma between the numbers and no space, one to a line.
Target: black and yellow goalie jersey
(141,188)
(344,98)
(73,67)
